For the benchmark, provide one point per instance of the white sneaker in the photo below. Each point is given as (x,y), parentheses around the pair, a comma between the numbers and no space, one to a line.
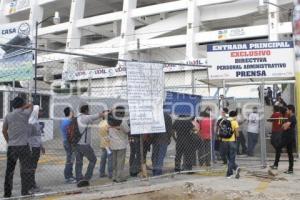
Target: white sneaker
(237,173)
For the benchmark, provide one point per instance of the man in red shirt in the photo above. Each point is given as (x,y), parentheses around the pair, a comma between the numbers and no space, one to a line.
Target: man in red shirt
(205,133)
(277,121)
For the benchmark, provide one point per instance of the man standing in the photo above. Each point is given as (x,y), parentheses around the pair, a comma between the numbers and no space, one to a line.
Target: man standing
(106,154)
(241,141)
(253,131)
(135,155)
(16,133)
(35,142)
(183,128)
(68,172)
(223,103)
(160,146)
(83,148)
(230,144)
(288,139)
(118,134)
(222,150)
(277,121)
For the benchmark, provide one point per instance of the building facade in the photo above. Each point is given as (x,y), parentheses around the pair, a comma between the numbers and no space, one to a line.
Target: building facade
(160,30)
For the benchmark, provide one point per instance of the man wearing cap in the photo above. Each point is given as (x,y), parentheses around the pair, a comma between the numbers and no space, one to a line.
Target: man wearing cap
(16,133)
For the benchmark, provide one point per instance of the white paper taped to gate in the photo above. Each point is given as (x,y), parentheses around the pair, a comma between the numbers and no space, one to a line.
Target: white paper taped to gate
(145,87)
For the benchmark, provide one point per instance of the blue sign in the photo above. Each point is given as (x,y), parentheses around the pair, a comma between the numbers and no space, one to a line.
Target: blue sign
(182,104)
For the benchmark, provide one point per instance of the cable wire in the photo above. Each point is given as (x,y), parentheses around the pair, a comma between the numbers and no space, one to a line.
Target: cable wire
(103,57)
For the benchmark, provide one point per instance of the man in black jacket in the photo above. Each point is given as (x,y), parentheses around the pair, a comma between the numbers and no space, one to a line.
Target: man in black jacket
(183,128)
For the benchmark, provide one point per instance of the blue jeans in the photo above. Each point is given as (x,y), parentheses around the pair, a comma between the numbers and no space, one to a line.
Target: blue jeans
(158,155)
(70,156)
(231,154)
(105,157)
(252,141)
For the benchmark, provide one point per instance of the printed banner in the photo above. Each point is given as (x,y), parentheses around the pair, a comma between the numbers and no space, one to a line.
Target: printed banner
(15,63)
(145,87)
(120,70)
(251,60)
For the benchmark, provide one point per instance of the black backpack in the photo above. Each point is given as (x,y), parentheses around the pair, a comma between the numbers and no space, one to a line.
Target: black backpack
(225,129)
(73,132)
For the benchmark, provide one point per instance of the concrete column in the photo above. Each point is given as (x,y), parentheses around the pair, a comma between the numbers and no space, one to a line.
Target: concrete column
(193,22)
(127,28)
(116,28)
(273,20)
(36,12)
(296,19)
(76,13)
(36,15)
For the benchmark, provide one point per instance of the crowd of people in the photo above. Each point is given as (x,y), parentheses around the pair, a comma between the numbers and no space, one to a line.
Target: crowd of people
(198,141)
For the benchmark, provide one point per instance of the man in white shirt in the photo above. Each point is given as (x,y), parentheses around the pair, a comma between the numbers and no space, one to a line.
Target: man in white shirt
(253,131)
(83,148)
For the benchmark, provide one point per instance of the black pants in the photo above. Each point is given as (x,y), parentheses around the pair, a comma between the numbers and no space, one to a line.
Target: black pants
(35,156)
(204,155)
(288,143)
(135,156)
(241,141)
(24,155)
(184,149)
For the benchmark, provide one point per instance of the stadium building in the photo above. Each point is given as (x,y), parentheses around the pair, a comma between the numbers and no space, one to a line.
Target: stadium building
(150,30)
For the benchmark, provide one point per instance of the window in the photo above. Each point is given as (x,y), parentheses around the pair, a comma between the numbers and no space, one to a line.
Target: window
(44,102)
(45,106)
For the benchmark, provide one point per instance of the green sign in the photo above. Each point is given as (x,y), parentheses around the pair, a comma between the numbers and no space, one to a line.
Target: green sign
(15,63)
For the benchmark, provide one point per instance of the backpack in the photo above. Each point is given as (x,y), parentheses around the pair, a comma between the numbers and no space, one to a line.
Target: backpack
(225,129)
(73,132)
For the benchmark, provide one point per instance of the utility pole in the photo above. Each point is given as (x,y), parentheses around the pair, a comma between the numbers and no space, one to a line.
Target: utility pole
(143,162)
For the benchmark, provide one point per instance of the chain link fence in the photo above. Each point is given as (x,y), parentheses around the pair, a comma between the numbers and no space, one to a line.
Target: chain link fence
(190,143)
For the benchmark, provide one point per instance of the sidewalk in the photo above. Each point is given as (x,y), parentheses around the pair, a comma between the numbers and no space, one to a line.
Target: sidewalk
(210,186)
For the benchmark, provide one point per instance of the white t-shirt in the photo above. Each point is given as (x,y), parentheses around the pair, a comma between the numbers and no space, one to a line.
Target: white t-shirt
(118,136)
(253,123)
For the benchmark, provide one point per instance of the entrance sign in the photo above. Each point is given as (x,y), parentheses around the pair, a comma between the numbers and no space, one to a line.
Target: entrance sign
(145,91)
(15,63)
(251,60)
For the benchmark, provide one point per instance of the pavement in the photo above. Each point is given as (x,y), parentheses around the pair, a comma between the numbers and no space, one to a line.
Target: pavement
(255,183)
